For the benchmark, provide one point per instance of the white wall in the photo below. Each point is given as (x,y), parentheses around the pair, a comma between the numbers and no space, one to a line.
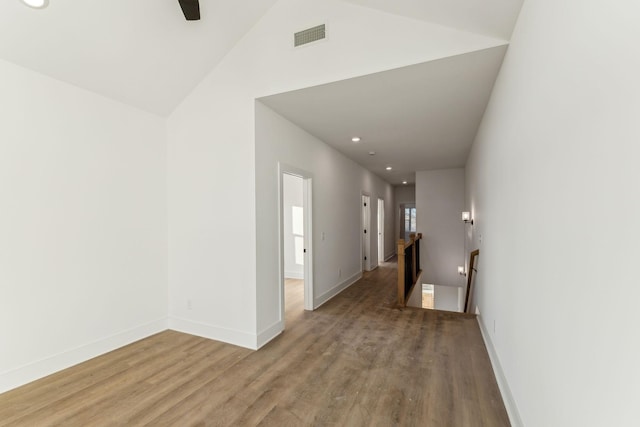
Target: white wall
(439,205)
(213,254)
(292,196)
(552,181)
(405,193)
(82,225)
(338,184)
(446,298)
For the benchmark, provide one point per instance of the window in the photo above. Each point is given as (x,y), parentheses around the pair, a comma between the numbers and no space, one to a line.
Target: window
(410,220)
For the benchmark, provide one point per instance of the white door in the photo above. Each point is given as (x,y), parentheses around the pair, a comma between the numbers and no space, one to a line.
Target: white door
(380,230)
(366,225)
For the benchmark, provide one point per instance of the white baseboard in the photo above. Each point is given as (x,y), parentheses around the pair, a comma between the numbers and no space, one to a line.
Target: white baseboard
(505,390)
(388,257)
(270,333)
(230,336)
(294,275)
(336,290)
(50,365)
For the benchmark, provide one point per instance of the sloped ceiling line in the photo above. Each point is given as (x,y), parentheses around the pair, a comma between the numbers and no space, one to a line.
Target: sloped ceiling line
(143,53)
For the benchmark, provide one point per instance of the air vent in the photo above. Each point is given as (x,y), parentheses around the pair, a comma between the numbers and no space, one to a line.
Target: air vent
(310,35)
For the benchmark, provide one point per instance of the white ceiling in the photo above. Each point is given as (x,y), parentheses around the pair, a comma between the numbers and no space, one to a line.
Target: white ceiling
(144,53)
(495,18)
(420,117)
(140,52)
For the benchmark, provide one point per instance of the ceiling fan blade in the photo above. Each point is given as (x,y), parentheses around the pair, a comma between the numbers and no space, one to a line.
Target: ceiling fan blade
(191,9)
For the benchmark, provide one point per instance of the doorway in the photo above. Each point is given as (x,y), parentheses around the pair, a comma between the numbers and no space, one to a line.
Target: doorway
(380,230)
(366,225)
(296,259)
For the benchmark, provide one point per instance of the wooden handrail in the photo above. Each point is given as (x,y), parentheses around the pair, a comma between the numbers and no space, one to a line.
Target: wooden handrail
(412,246)
(401,248)
(472,268)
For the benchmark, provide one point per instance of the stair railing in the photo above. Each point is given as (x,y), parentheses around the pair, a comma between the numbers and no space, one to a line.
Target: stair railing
(408,267)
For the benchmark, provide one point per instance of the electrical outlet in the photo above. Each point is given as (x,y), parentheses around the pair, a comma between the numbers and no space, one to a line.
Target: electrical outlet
(340,273)
(494,326)
(189,306)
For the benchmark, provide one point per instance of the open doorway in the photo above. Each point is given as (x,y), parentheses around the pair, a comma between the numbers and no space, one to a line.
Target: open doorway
(295,243)
(366,225)
(380,230)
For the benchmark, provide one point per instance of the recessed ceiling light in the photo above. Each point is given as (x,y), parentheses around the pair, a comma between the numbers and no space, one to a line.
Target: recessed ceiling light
(372,153)
(36,4)
(404,182)
(356,139)
(389,168)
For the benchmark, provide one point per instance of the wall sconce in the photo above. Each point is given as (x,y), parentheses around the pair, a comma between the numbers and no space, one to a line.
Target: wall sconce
(466,217)
(461,270)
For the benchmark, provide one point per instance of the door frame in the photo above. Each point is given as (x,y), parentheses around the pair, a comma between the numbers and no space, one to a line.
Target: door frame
(381,236)
(307,198)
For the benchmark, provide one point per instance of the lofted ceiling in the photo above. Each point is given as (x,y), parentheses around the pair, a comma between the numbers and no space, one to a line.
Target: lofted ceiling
(422,117)
(140,52)
(143,53)
(494,18)
(415,118)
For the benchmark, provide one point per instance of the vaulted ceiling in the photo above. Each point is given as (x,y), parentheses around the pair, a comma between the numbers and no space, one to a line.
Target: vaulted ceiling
(140,52)
(143,53)
(421,117)
(494,18)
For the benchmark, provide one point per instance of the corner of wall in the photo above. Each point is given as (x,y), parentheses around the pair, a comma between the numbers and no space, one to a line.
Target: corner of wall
(320,300)
(269,334)
(230,336)
(50,365)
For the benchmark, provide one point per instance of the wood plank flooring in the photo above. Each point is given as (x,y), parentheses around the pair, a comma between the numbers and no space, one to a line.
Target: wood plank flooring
(356,361)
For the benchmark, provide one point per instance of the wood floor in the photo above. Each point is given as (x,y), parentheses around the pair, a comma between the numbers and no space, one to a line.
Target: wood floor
(356,361)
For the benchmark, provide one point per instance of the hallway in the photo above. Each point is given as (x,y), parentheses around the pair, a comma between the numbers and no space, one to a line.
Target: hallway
(356,361)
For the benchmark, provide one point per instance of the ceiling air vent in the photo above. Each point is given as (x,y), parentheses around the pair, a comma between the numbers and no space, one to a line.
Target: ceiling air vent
(310,35)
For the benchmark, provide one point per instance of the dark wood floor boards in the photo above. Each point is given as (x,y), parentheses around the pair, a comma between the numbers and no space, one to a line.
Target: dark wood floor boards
(356,361)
